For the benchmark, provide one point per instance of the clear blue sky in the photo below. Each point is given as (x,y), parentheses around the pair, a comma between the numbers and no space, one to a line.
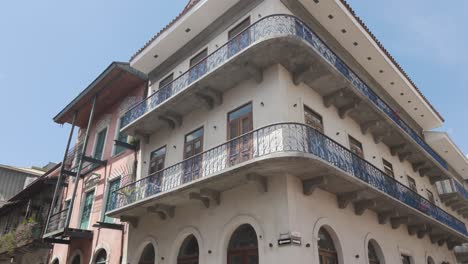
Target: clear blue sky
(51,50)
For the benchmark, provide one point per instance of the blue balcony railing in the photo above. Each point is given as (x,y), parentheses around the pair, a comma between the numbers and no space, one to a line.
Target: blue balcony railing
(279,138)
(270,27)
(452,187)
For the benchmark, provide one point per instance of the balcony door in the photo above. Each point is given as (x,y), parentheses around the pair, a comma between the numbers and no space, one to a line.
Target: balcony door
(157,161)
(239,124)
(192,160)
(99,145)
(86,212)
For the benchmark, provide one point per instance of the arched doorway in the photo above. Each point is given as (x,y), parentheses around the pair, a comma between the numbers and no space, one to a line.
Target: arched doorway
(148,256)
(430,260)
(101,257)
(243,246)
(55,261)
(326,246)
(189,251)
(76,260)
(374,253)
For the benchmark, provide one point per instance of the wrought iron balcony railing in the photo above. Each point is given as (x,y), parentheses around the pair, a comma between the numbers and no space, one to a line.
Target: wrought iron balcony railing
(279,138)
(451,187)
(266,28)
(57,222)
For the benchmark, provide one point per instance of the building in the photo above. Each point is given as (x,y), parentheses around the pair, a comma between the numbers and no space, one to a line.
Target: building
(14,179)
(272,131)
(101,160)
(22,221)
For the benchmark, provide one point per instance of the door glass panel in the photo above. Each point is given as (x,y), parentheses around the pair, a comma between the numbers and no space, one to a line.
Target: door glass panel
(247,109)
(86,213)
(111,198)
(253,259)
(99,147)
(122,137)
(157,159)
(313,119)
(236,260)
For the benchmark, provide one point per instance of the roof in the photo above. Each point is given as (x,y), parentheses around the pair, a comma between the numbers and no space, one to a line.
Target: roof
(192,3)
(23,170)
(118,76)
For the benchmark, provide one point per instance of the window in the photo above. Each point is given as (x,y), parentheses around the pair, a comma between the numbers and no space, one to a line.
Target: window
(313,119)
(76,260)
(327,250)
(239,37)
(239,123)
(372,254)
(430,260)
(87,207)
(198,58)
(412,184)
(192,147)
(99,144)
(189,251)
(56,261)
(101,257)
(388,168)
(406,259)
(356,147)
(157,159)
(148,255)
(239,28)
(243,246)
(166,81)
(111,198)
(430,196)
(121,136)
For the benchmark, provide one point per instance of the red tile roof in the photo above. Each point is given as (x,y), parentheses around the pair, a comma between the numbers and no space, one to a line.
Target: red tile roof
(192,3)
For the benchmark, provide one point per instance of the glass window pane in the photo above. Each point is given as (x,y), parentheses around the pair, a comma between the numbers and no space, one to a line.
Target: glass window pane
(166,80)
(86,213)
(111,198)
(240,112)
(99,147)
(194,135)
(199,57)
(239,28)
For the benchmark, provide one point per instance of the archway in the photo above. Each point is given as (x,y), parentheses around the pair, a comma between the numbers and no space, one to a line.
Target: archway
(101,257)
(243,246)
(326,248)
(189,251)
(148,256)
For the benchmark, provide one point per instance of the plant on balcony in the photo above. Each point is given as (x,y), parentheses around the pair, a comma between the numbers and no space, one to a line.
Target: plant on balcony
(7,243)
(29,229)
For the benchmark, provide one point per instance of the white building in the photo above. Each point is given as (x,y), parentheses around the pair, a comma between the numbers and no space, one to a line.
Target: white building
(282,131)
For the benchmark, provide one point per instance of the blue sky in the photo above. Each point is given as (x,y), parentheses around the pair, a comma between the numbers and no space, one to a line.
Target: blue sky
(51,50)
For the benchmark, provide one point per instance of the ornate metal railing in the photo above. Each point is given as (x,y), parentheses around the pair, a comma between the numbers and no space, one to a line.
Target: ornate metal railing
(278,139)
(451,186)
(57,222)
(270,27)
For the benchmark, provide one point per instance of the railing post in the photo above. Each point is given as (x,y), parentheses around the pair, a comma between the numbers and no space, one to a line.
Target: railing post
(62,168)
(80,162)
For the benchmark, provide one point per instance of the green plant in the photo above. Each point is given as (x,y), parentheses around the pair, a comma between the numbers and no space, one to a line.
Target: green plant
(8,243)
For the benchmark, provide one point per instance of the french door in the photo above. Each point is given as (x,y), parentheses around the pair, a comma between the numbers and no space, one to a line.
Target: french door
(193,161)
(243,256)
(240,123)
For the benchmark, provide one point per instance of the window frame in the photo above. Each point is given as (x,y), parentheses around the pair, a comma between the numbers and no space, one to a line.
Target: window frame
(412,183)
(195,57)
(169,76)
(104,144)
(150,158)
(93,189)
(107,196)
(390,165)
(316,114)
(237,26)
(430,196)
(116,137)
(361,146)
(202,141)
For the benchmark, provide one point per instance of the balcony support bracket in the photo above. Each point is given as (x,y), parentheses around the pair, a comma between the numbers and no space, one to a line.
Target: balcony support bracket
(172,119)
(396,222)
(130,219)
(414,229)
(404,156)
(369,126)
(142,136)
(378,138)
(418,166)
(346,109)
(395,150)
(196,196)
(255,71)
(95,161)
(300,74)
(211,194)
(361,206)
(328,100)
(346,198)
(164,211)
(309,186)
(261,181)
(385,216)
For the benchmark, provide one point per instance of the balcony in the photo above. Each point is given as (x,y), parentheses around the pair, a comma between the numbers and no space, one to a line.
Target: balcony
(288,41)
(453,194)
(305,153)
(57,231)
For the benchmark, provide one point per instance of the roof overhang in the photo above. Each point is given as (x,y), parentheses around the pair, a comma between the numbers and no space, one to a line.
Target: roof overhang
(381,66)
(115,82)
(444,145)
(185,28)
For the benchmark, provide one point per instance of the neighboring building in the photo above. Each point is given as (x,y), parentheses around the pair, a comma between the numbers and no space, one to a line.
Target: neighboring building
(14,179)
(22,221)
(104,158)
(273,131)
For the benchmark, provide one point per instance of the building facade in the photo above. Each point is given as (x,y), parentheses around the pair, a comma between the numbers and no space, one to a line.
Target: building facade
(104,158)
(14,179)
(22,221)
(270,131)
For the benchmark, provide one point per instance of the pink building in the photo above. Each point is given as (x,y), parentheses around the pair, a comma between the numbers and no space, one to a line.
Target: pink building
(103,158)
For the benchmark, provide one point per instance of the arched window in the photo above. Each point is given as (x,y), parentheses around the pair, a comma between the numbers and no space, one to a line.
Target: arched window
(188,253)
(56,261)
(76,260)
(148,256)
(101,257)
(372,254)
(327,250)
(430,260)
(243,246)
